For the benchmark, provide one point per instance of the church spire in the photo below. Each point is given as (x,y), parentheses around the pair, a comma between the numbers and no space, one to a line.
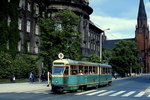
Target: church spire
(142,16)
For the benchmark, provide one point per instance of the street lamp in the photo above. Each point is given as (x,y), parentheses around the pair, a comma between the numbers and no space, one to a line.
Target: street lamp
(101,40)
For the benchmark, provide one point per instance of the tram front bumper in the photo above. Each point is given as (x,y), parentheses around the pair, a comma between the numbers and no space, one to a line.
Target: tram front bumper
(57,88)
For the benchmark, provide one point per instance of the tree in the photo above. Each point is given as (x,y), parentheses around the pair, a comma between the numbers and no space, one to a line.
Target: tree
(23,65)
(20,66)
(125,57)
(5,65)
(59,34)
(107,54)
(94,58)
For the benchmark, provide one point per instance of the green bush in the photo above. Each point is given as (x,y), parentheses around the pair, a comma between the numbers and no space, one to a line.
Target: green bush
(21,66)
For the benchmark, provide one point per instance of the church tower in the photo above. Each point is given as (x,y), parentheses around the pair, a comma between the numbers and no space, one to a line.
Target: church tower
(142,36)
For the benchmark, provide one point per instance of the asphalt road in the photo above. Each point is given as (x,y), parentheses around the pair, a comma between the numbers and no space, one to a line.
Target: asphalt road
(137,88)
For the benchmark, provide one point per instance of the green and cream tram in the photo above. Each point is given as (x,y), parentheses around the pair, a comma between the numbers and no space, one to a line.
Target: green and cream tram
(70,74)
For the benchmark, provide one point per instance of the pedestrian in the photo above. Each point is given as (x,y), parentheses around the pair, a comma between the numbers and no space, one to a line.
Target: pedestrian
(115,75)
(31,77)
(13,79)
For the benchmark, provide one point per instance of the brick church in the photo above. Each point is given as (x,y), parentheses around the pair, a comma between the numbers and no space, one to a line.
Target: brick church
(142,36)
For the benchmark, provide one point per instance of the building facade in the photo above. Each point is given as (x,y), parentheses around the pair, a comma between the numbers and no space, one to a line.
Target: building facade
(91,34)
(142,36)
(28,27)
(29,12)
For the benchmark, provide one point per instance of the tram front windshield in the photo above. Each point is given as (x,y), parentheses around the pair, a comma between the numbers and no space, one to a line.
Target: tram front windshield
(58,70)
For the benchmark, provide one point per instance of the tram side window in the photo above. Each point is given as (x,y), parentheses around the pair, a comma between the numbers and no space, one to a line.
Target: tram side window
(103,70)
(66,71)
(74,70)
(94,70)
(90,69)
(86,69)
(109,70)
(81,70)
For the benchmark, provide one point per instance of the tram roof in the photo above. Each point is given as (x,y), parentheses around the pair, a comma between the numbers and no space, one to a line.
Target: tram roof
(105,65)
(74,62)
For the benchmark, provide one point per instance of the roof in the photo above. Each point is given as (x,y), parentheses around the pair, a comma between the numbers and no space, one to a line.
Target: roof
(73,62)
(110,44)
(95,27)
(142,12)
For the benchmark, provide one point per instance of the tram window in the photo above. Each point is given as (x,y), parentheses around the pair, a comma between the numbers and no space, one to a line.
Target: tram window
(86,69)
(58,70)
(81,69)
(74,70)
(66,71)
(109,70)
(90,69)
(103,70)
(106,70)
(94,70)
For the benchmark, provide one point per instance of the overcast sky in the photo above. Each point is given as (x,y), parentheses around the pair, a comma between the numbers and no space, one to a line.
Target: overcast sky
(118,15)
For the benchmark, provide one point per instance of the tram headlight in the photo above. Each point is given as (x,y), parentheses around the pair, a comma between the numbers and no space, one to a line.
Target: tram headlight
(56,81)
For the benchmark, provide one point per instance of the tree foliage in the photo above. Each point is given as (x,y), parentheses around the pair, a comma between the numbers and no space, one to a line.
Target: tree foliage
(20,67)
(125,56)
(59,34)
(94,58)
(107,54)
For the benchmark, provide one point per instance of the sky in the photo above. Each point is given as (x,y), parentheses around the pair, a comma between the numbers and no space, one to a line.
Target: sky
(120,16)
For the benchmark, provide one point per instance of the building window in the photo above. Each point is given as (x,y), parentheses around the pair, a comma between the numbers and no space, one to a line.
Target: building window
(36,48)
(43,14)
(8,45)
(19,46)
(28,46)
(36,9)
(58,26)
(19,23)
(8,21)
(22,3)
(37,30)
(29,6)
(89,45)
(28,26)
(49,14)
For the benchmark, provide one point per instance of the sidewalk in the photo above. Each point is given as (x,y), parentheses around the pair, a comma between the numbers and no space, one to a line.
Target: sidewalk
(23,87)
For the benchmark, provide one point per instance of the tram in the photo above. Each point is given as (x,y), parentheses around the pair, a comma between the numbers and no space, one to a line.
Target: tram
(70,75)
